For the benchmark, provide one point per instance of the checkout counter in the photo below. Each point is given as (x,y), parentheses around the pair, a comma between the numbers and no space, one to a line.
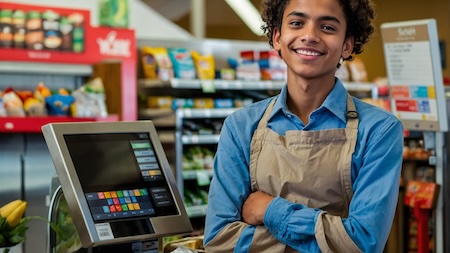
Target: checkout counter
(117,192)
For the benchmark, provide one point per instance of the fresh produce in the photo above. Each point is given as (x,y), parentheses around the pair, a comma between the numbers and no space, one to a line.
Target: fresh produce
(13,223)
(12,227)
(13,212)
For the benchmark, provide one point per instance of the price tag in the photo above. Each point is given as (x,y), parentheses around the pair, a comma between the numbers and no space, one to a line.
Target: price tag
(203,178)
(208,86)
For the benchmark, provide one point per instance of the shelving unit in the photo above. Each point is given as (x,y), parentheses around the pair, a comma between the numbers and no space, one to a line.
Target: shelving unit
(199,178)
(27,168)
(243,85)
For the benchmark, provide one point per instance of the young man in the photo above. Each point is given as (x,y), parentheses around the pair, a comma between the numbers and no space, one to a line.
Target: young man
(312,169)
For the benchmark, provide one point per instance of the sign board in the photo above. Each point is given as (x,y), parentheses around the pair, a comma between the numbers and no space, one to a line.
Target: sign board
(413,62)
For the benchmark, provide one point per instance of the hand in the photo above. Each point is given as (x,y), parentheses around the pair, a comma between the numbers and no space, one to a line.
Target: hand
(255,207)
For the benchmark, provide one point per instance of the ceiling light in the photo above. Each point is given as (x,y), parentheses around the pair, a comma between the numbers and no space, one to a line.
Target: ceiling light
(248,13)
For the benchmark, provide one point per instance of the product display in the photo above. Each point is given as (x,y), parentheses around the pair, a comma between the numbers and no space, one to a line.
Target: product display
(204,65)
(166,63)
(156,63)
(41,30)
(57,70)
(183,65)
(87,101)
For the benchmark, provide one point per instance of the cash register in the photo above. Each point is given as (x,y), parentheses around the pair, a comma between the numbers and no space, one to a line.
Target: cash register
(117,182)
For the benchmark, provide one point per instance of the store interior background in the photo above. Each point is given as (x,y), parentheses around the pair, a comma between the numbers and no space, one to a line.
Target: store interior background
(221,22)
(172,20)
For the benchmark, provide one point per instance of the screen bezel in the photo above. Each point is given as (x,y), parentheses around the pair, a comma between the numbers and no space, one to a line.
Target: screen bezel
(162,225)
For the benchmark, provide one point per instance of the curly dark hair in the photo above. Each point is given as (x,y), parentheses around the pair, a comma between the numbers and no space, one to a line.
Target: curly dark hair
(359,15)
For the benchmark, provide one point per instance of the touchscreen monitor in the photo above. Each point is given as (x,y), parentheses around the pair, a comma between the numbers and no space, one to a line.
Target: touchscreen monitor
(117,181)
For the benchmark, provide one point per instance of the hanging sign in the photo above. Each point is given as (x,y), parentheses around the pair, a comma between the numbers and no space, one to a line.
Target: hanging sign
(414,70)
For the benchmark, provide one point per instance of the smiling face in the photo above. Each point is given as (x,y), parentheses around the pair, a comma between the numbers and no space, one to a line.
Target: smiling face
(312,38)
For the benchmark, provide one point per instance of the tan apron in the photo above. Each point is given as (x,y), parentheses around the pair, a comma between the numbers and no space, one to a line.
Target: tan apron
(312,168)
(307,167)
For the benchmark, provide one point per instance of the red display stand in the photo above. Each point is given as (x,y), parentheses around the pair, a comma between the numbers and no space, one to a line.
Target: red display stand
(100,44)
(421,198)
(33,124)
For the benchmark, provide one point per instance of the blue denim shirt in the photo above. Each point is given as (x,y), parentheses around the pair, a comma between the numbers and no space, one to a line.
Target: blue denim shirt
(375,174)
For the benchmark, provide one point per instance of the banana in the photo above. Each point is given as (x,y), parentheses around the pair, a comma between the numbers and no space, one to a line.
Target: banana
(7,209)
(16,215)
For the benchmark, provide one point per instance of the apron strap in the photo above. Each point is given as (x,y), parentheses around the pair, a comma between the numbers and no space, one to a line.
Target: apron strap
(265,118)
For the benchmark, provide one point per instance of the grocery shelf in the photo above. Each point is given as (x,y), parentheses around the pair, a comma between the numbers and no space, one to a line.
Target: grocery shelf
(194,174)
(242,85)
(196,211)
(362,87)
(200,139)
(205,113)
(161,117)
(216,84)
(34,124)
(166,136)
(166,117)
(47,68)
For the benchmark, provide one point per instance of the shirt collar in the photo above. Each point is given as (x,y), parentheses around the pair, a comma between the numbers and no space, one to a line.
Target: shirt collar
(335,102)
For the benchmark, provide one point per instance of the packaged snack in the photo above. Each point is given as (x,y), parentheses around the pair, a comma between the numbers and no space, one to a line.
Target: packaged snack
(90,100)
(59,104)
(182,103)
(227,74)
(203,103)
(34,107)
(52,33)
(66,29)
(272,66)
(358,71)
(6,35)
(34,37)
(159,102)
(156,63)
(77,20)
(183,65)
(41,92)
(204,65)
(18,28)
(248,71)
(24,94)
(223,103)
(13,104)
